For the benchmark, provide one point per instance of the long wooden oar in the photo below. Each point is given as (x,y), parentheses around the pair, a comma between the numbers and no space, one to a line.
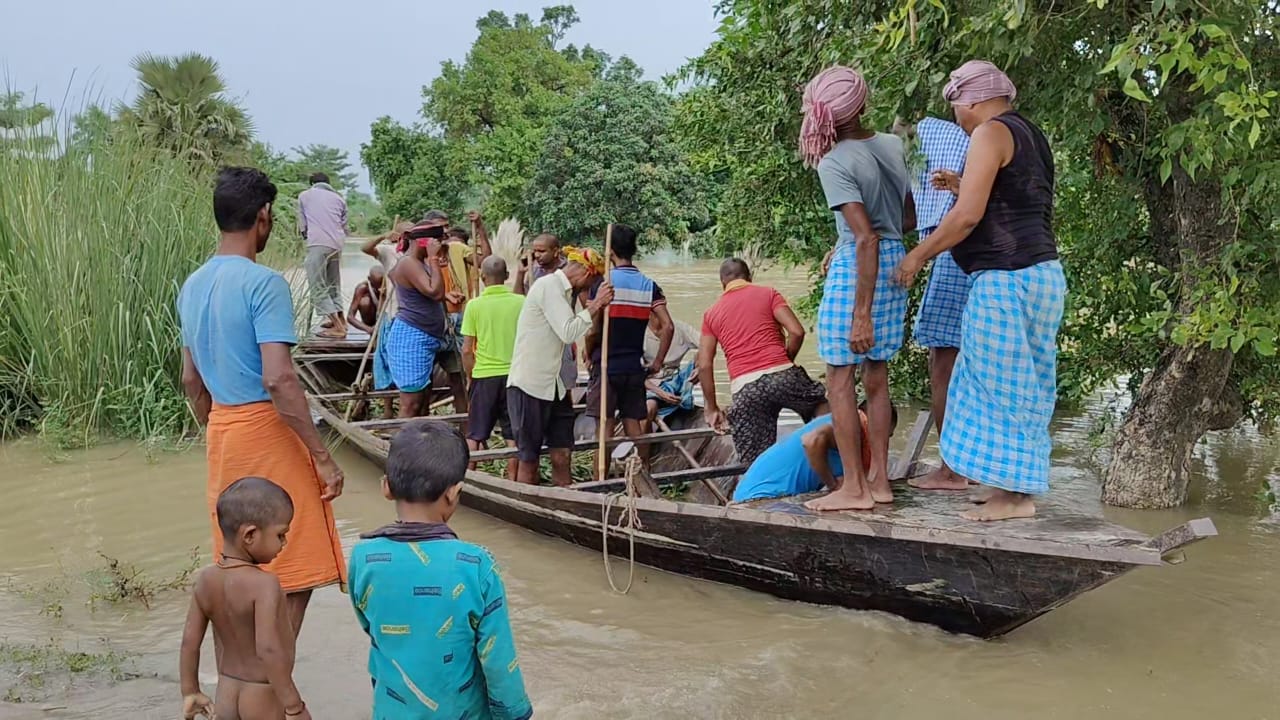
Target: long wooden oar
(605,422)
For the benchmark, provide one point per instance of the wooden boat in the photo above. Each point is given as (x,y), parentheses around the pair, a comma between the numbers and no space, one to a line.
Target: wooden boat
(916,558)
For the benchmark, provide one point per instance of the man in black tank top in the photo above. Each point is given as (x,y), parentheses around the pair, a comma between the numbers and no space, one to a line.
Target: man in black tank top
(1000,231)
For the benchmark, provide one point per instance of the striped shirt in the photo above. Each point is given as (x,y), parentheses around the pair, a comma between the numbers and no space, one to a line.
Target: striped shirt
(634,298)
(944,146)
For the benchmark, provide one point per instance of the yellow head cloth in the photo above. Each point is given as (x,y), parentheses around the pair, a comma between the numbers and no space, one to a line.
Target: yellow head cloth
(586,257)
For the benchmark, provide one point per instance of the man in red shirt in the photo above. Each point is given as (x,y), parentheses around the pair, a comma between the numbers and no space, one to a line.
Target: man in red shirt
(749,321)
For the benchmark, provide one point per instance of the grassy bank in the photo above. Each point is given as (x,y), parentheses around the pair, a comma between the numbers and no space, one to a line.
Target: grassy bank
(93,247)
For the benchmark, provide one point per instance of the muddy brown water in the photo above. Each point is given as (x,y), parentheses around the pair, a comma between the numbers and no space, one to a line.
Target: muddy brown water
(1187,641)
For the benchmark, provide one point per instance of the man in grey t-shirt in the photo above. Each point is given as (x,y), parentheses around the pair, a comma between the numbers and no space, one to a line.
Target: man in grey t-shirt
(861,319)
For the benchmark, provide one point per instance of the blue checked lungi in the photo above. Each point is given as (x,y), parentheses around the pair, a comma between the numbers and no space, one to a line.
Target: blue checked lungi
(411,355)
(941,309)
(1004,385)
(888,306)
(381,367)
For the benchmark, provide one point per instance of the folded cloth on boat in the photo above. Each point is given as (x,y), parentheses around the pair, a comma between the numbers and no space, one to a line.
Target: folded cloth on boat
(1004,386)
(253,441)
(681,385)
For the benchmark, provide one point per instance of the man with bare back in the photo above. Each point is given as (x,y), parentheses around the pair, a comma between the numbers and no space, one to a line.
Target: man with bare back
(252,630)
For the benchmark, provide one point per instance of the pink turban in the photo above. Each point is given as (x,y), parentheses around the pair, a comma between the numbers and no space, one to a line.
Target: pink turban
(832,98)
(977,81)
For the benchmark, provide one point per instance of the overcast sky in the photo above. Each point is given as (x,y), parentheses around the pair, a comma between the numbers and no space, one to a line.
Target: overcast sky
(310,72)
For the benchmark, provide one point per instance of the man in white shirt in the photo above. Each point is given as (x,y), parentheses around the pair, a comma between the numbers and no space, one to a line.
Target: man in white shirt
(540,405)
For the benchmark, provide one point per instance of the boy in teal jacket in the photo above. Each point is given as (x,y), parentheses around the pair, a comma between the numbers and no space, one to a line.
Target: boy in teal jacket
(433,606)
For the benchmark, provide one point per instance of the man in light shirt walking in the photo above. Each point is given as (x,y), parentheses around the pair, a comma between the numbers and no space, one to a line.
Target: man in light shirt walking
(322,219)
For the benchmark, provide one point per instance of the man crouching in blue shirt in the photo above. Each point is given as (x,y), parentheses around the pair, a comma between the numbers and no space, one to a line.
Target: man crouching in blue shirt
(433,605)
(803,462)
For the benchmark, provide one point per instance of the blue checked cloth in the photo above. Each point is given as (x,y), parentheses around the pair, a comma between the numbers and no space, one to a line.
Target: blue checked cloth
(1004,386)
(411,355)
(381,368)
(941,309)
(888,306)
(679,384)
(944,146)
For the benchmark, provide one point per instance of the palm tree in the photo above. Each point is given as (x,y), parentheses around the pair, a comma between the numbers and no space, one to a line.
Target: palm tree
(182,107)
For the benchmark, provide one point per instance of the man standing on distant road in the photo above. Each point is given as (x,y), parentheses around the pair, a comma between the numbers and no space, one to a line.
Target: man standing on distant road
(237,331)
(322,219)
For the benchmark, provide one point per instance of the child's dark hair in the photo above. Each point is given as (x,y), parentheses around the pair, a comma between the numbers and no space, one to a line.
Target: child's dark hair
(893,415)
(252,501)
(427,457)
(460,233)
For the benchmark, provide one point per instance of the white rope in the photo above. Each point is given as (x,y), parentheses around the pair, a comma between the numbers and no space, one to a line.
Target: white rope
(630,517)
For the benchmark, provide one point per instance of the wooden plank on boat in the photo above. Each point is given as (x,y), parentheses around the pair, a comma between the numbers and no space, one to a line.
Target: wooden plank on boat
(344,396)
(328,357)
(915,443)
(397,423)
(1183,535)
(650,439)
(705,491)
(663,479)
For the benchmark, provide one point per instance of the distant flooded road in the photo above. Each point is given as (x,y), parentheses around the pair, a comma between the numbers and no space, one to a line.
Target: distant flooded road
(1190,641)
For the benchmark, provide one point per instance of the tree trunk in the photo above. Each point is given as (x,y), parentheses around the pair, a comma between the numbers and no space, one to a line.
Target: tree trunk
(1181,399)
(1188,391)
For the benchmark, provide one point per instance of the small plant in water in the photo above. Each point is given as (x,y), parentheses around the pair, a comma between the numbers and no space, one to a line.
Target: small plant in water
(121,581)
(29,669)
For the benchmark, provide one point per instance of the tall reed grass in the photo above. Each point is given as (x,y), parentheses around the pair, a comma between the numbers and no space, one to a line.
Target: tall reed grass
(94,244)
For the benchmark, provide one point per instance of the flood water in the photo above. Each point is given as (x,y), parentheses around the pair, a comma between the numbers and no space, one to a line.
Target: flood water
(1187,641)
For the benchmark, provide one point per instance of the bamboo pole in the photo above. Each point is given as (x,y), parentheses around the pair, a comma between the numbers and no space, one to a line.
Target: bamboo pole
(473,272)
(373,336)
(604,422)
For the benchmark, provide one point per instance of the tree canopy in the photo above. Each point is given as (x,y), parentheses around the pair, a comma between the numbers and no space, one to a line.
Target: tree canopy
(610,156)
(182,107)
(1159,116)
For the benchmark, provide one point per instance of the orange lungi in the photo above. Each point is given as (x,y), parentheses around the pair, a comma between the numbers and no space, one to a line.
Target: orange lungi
(252,440)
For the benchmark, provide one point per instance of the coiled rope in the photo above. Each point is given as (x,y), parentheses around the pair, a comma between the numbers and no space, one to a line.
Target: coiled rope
(628,518)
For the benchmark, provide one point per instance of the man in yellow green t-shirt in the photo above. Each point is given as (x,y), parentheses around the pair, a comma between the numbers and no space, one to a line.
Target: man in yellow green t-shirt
(488,341)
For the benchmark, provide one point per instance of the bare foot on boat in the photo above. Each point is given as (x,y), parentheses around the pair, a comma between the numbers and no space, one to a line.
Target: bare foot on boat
(1002,505)
(981,494)
(333,333)
(842,499)
(942,478)
(881,491)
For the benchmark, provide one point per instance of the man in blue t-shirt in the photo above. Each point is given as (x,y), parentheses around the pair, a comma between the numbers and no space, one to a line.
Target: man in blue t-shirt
(237,369)
(803,462)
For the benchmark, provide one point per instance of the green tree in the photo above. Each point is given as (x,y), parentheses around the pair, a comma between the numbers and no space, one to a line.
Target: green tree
(610,156)
(329,160)
(91,128)
(23,126)
(493,109)
(182,107)
(1159,115)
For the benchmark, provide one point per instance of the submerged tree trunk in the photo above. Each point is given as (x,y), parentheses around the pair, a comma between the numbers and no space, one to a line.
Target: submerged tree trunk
(1179,400)
(1188,391)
